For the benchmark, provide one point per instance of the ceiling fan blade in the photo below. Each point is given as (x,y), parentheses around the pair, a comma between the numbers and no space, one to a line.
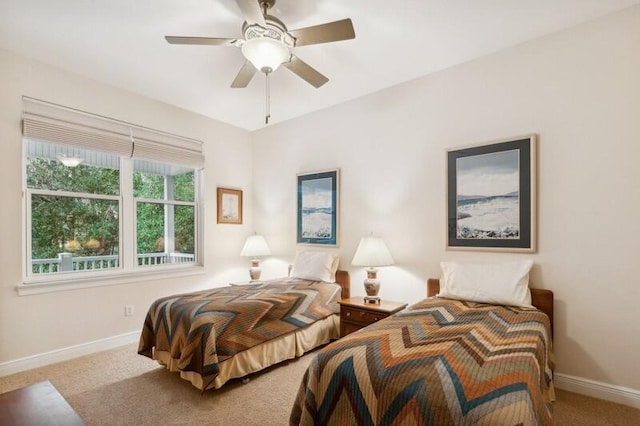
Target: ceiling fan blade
(211,41)
(244,76)
(251,12)
(324,33)
(305,71)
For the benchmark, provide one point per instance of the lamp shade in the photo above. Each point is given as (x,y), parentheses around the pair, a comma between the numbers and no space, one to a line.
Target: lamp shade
(266,54)
(372,251)
(255,246)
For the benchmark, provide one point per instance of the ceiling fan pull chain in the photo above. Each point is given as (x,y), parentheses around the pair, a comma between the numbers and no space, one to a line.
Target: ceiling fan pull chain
(268,100)
(133,142)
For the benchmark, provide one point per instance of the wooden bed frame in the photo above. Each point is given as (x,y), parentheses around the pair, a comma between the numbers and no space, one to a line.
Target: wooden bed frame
(344,281)
(540,298)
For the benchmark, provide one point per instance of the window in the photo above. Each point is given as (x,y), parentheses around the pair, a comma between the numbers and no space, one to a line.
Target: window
(165,213)
(104,197)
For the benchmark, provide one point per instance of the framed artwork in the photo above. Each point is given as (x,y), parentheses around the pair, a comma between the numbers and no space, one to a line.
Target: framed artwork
(229,206)
(318,208)
(491,196)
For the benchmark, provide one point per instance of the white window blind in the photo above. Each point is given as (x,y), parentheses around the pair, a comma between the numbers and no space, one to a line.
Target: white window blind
(49,122)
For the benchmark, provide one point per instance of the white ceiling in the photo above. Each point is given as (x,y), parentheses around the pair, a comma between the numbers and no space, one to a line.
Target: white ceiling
(121,42)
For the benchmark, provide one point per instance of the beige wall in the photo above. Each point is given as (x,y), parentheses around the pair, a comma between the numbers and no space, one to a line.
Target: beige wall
(579,90)
(36,324)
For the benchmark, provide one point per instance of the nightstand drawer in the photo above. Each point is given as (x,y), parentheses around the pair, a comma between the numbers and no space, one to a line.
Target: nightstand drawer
(360,316)
(356,314)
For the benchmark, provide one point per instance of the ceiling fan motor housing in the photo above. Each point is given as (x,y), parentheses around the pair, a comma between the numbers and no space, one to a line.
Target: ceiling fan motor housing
(275,29)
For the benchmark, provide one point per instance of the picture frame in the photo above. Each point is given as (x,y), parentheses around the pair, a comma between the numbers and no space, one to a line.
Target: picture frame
(491,196)
(318,208)
(229,206)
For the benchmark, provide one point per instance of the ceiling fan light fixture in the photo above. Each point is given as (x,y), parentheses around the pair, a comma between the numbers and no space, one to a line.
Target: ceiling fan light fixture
(265,54)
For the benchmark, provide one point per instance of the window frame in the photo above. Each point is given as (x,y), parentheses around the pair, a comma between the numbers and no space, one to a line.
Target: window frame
(128,270)
(180,151)
(29,193)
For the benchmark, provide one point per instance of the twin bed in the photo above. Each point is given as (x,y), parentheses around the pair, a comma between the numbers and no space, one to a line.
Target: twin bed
(440,361)
(215,335)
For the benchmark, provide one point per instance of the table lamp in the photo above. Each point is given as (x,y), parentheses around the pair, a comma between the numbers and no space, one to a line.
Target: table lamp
(255,246)
(372,252)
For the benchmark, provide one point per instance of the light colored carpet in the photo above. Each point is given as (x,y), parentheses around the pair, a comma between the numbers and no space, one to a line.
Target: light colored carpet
(119,387)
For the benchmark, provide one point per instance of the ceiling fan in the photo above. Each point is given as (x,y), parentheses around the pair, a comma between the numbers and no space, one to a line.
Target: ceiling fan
(267,43)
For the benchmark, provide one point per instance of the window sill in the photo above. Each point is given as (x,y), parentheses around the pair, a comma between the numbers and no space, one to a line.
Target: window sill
(65,282)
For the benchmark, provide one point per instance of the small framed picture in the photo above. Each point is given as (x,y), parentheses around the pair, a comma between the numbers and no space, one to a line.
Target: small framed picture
(230,206)
(492,196)
(318,208)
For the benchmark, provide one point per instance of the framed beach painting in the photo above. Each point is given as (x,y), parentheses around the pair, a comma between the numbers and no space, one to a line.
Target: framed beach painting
(318,208)
(230,206)
(491,196)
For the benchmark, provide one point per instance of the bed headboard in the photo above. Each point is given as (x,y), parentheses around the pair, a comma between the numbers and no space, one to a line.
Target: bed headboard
(344,281)
(540,298)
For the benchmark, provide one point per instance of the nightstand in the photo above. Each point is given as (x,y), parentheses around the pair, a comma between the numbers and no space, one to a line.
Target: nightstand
(356,314)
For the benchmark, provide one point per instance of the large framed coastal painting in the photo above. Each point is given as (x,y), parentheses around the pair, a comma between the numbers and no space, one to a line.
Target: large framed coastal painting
(318,196)
(491,196)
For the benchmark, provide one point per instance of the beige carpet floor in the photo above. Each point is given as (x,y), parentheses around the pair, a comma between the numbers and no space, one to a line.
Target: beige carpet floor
(119,387)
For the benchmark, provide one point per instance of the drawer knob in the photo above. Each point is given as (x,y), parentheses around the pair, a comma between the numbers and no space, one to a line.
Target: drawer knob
(348,314)
(375,318)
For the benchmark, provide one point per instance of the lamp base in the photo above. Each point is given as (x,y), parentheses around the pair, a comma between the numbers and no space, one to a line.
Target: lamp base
(255,271)
(372,286)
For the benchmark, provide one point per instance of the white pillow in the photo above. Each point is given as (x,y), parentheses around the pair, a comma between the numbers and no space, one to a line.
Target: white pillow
(315,266)
(497,283)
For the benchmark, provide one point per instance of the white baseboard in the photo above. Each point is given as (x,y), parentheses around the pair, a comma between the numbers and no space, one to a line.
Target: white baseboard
(606,391)
(40,360)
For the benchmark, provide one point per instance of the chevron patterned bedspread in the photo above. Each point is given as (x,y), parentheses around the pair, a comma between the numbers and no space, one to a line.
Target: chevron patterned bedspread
(439,362)
(203,328)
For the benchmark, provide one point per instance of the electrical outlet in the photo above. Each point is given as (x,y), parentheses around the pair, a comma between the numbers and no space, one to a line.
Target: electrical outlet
(128,310)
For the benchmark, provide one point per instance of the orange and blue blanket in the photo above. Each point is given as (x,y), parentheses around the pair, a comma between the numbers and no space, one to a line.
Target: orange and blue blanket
(204,328)
(439,362)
